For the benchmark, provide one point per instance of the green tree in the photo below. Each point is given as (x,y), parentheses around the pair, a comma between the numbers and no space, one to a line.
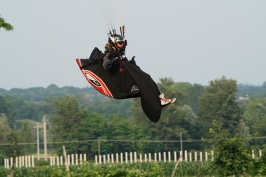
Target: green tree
(264,85)
(5,131)
(175,118)
(255,115)
(5,25)
(218,103)
(5,138)
(194,94)
(26,135)
(166,86)
(109,106)
(191,94)
(65,123)
(118,129)
(138,132)
(244,90)
(261,166)
(7,109)
(92,127)
(231,155)
(243,129)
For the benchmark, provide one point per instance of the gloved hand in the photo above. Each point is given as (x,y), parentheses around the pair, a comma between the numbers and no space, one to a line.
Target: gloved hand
(109,50)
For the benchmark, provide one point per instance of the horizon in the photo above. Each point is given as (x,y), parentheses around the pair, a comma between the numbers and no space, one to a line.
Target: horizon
(89,86)
(188,41)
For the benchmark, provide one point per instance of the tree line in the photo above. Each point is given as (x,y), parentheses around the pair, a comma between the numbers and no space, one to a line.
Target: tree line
(78,115)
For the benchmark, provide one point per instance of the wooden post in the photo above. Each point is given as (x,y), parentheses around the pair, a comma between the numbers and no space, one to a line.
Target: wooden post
(116,157)
(99,147)
(131,158)
(44,138)
(14,157)
(96,160)
(145,157)
(173,173)
(112,158)
(108,158)
(66,160)
(121,157)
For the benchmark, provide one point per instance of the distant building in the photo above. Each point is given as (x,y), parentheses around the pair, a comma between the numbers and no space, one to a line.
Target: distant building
(246,98)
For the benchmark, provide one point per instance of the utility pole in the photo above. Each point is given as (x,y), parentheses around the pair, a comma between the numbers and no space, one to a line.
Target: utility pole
(38,139)
(38,142)
(99,147)
(181,145)
(44,138)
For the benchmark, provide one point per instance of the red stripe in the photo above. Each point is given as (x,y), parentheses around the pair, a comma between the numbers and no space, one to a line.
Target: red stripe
(79,63)
(102,84)
(103,89)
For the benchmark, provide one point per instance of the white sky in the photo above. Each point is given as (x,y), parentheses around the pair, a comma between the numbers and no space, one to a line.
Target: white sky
(193,41)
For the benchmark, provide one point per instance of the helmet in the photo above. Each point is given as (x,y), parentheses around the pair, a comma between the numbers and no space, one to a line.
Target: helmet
(116,38)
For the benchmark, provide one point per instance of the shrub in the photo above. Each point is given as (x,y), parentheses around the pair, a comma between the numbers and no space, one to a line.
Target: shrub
(41,162)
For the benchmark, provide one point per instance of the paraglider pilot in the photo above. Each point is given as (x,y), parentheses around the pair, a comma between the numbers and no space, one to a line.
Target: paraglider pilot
(115,53)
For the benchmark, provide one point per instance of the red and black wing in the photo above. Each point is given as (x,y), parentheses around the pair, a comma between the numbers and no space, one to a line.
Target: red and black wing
(117,84)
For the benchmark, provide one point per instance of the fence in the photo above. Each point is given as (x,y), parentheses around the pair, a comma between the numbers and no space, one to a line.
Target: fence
(131,157)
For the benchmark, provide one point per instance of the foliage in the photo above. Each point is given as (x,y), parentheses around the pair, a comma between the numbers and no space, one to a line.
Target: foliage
(231,156)
(218,103)
(5,137)
(191,93)
(107,106)
(33,103)
(255,117)
(5,25)
(175,118)
(261,163)
(7,108)
(65,123)
(26,135)
(146,169)
(41,162)
(255,114)
(40,94)
(251,90)
(92,127)
(112,119)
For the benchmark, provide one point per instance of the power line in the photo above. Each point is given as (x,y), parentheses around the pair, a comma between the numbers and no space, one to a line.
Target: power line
(105,140)
(125,140)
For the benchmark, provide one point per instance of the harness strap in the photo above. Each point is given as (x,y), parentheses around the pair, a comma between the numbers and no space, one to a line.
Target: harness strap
(121,69)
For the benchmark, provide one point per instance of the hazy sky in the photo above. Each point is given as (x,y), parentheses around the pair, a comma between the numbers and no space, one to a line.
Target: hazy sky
(193,41)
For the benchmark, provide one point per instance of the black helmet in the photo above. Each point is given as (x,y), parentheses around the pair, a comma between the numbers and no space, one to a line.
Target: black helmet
(116,38)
